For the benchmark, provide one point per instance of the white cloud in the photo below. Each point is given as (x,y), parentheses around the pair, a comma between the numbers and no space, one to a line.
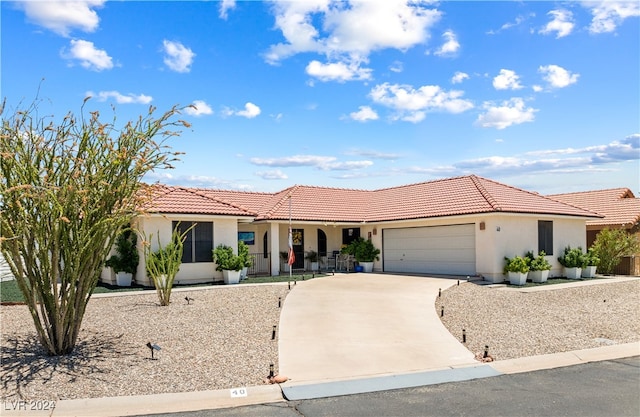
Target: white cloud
(561,23)
(121,98)
(349,31)
(397,66)
(250,111)
(338,71)
(413,104)
(199,108)
(225,6)
(507,80)
(88,55)
(325,163)
(558,77)
(450,46)
(367,153)
(61,16)
(177,56)
(609,14)
(506,114)
(364,114)
(272,175)
(519,20)
(459,77)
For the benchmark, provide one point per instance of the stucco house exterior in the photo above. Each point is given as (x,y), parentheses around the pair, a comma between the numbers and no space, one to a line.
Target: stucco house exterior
(456,226)
(620,209)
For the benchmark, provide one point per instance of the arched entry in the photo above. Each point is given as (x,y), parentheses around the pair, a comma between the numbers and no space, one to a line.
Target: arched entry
(322,243)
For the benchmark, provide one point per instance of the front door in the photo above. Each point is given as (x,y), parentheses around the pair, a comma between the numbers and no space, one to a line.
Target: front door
(298,247)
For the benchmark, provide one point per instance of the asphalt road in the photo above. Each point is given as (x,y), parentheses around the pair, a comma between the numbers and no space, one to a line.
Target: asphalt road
(608,388)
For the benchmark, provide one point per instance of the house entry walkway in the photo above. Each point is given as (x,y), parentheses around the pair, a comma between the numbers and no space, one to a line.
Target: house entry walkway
(362,325)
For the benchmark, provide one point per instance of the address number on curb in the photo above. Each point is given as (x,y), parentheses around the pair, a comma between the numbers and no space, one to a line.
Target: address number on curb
(238,392)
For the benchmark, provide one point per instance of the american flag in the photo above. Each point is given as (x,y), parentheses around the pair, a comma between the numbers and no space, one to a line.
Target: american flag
(292,256)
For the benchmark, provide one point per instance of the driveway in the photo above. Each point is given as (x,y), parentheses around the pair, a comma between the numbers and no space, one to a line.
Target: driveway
(361,325)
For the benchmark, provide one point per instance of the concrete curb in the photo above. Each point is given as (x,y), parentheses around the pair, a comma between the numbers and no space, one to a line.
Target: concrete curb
(152,404)
(263,394)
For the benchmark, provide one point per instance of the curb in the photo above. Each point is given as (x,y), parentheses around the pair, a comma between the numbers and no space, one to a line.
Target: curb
(152,404)
(263,394)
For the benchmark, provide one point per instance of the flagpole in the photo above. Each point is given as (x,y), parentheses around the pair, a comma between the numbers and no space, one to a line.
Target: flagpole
(290,240)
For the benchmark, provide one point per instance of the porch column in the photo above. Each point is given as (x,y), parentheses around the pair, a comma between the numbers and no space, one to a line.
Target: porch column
(275,248)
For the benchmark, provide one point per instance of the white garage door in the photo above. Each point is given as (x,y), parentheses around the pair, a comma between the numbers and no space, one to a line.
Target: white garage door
(449,250)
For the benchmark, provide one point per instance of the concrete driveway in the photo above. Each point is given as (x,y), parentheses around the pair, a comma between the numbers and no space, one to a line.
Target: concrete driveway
(362,325)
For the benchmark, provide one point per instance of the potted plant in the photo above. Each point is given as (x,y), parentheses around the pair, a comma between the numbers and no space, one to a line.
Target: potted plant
(284,258)
(590,264)
(243,252)
(312,257)
(572,260)
(516,268)
(364,252)
(229,263)
(539,267)
(125,261)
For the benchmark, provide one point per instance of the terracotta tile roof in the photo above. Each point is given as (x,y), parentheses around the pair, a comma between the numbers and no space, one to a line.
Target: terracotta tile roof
(447,197)
(174,200)
(618,206)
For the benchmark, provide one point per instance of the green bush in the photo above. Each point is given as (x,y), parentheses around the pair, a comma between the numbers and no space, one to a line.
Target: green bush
(572,257)
(591,258)
(363,250)
(538,263)
(516,264)
(225,259)
(611,245)
(126,257)
(243,252)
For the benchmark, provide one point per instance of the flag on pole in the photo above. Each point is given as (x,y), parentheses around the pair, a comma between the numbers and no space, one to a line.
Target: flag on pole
(292,256)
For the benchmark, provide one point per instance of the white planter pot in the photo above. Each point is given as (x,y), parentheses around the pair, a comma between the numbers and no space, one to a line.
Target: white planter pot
(366,266)
(539,276)
(588,272)
(243,273)
(572,273)
(314,266)
(517,278)
(123,279)
(231,277)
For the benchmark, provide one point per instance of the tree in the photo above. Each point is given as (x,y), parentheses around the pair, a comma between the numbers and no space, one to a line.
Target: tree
(66,190)
(613,244)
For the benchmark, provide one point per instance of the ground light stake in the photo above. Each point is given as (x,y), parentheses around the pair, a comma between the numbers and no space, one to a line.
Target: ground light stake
(273,333)
(442,311)
(270,370)
(279,302)
(486,351)
(464,336)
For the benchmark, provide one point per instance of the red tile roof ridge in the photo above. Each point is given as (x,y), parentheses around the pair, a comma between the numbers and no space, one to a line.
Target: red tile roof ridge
(485,194)
(200,193)
(396,187)
(551,197)
(624,192)
(278,203)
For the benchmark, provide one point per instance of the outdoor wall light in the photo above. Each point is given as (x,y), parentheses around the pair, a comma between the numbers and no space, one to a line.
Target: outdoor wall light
(482,225)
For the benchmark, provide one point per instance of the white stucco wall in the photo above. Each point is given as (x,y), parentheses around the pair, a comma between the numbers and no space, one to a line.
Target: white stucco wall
(154,227)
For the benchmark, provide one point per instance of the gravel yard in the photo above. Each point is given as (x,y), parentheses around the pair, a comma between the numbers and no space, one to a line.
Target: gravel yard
(223,338)
(516,324)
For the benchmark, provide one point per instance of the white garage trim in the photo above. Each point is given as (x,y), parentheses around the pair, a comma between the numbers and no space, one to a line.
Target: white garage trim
(449,250)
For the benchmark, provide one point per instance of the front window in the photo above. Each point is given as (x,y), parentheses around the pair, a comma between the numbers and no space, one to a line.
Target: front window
(198,243)
(545,236)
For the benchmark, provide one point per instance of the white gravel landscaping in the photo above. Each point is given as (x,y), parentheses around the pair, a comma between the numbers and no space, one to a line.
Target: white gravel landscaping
(222,339)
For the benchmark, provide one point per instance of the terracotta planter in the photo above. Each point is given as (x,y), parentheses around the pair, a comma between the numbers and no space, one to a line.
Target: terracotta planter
(517,278)
(539,276)
(572,273)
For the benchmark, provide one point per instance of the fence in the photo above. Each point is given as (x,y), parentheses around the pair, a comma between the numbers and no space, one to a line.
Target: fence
(629,265)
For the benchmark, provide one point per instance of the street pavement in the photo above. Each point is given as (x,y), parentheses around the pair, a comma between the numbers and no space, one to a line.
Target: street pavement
(597,389)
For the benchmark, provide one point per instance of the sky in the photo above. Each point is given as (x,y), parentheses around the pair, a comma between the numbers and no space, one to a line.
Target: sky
(540,95)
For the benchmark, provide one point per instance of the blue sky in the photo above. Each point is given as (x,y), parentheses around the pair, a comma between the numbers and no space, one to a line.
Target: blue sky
(371,94)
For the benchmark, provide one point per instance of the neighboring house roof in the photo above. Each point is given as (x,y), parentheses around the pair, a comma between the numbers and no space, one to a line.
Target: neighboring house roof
(618,206)
(446,197)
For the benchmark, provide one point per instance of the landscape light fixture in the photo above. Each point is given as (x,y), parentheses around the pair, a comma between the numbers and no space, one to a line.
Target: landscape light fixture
(442,311)
(273,333)
(188,299)
(439,292)
(279,302)
(153,347)
(464,336)
(271,371)
(486,351)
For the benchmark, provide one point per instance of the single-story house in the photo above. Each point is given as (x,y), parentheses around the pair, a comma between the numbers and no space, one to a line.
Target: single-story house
(620,210)
(456,226)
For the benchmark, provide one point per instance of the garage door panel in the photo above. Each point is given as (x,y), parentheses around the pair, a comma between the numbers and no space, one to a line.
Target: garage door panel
(437,249)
